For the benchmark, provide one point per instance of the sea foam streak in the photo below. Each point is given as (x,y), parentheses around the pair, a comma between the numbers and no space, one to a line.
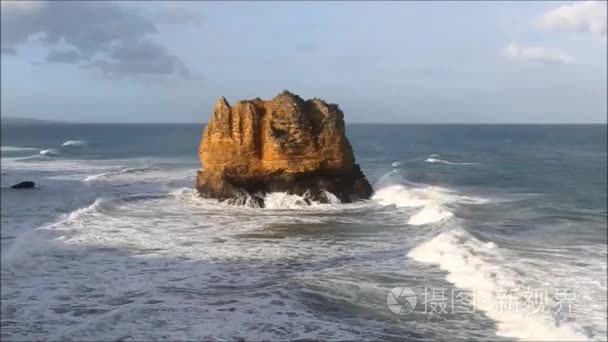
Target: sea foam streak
(17,149)
(472,265)
(75,143)
(51,152)
(115,173)
(445,162)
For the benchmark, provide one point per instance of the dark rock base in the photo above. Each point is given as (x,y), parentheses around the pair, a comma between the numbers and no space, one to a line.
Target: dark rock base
(347,187)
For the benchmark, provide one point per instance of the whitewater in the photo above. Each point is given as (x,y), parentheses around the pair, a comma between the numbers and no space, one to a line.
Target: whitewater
(123,248)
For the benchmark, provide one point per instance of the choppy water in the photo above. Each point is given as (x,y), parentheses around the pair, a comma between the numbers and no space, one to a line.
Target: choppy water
(115,245)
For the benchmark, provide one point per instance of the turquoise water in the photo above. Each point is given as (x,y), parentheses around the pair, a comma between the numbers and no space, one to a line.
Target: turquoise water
(114,243)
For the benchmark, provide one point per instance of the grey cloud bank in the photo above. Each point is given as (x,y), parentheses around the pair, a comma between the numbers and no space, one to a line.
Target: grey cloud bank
(111,38)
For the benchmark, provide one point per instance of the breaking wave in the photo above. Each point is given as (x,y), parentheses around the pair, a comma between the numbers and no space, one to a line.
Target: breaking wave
(445,162)
(283,200)
(431,202)
(51,152)
(48,152)
(430,214)
(475,265)
(75,143)
(432,159)
(75,215)
(41,239)
(116,173)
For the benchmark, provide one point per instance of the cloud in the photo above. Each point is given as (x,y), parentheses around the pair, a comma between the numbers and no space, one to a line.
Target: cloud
(519,53)
(19,6)
(65,56)
(143,57)
(584,16)
(180,12)
(103,35)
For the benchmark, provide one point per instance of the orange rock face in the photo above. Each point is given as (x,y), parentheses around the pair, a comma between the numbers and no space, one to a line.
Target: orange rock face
(285,144)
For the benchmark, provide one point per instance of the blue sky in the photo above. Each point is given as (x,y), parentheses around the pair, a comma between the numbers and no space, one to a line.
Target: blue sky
(432,62)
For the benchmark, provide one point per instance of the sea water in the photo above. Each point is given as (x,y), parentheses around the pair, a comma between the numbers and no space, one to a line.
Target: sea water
(499,230)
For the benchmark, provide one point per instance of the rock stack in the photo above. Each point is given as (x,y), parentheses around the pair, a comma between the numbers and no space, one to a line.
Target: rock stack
(286,144)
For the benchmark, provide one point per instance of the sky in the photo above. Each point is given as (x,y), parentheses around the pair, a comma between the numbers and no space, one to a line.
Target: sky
(384,62)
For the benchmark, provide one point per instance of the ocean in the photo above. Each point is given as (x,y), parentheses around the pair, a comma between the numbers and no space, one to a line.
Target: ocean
(474,232)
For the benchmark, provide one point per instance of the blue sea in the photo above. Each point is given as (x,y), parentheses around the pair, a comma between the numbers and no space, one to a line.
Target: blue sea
(486,232)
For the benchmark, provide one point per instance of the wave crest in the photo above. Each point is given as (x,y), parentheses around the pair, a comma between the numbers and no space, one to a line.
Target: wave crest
(430,199)
(51,152)
(116,173)
(474,265)
(430,214)
(433,202)
(75,143)
(432,159)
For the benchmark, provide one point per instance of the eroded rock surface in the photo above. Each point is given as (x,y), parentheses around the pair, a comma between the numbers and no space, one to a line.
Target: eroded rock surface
(286,144)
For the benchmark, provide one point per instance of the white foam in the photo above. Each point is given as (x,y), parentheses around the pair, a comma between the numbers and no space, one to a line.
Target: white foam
(37,241)
(474,265)
(51,152)
(401,196)
(433,201)
(187,252)
(75,143)
(283,200)
(164,265)
(195,224)
(331,198)
(396,164)
(97,176)
(17,149)
(429,214)
(75,215)
(445,162)
(116,173)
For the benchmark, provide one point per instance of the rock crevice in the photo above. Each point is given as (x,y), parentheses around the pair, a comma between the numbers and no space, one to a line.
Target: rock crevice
(285,144)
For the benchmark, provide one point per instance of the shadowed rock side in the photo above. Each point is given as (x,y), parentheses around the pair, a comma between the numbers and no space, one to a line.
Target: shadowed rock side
(286,144)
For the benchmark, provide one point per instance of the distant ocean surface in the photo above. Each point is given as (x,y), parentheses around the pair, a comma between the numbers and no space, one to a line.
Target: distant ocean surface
(499,230)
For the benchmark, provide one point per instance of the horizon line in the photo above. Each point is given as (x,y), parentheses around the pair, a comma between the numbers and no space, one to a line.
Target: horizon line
(51,122)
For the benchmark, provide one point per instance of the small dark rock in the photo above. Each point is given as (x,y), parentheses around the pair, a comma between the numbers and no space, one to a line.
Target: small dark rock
(24,185)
